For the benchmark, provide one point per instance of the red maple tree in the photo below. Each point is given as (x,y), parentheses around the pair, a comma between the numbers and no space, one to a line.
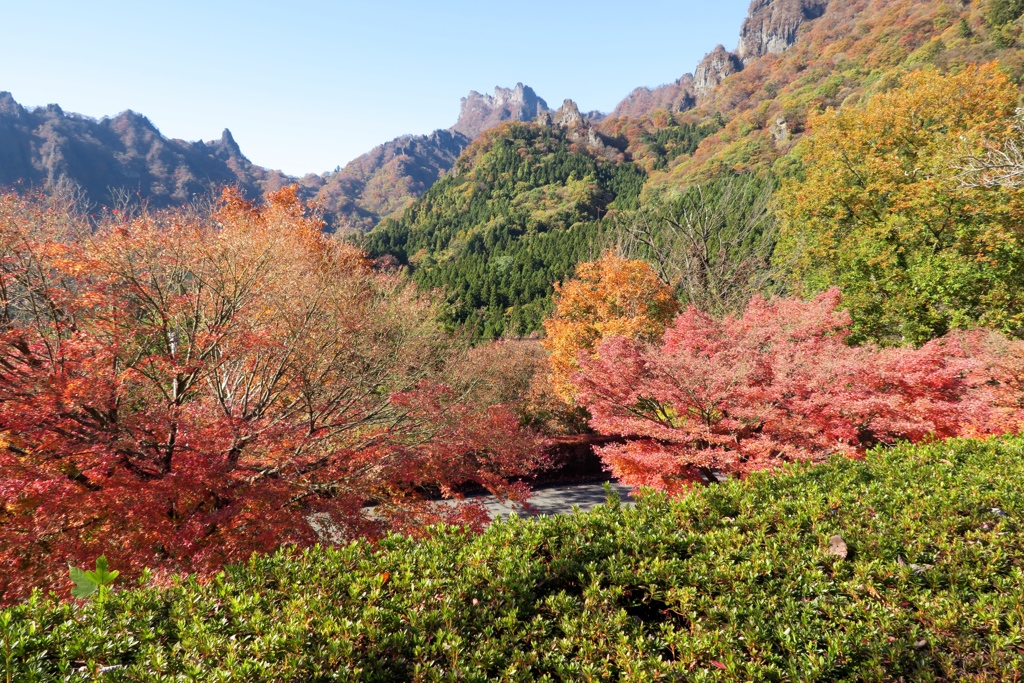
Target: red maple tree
(780,384)
(179,390)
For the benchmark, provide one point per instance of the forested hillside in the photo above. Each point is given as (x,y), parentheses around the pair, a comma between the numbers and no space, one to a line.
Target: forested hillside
(511,222)
(521,208)
(847,52)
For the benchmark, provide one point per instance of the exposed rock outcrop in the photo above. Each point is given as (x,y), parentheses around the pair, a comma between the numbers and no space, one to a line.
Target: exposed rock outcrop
(568,115)
(771,26)
(482,112)
(715,66)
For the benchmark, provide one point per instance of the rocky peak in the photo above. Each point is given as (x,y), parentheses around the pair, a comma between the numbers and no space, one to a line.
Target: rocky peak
(227,141)
(771,26)
(568,115)
(481,112)
(718,64)
(8,107)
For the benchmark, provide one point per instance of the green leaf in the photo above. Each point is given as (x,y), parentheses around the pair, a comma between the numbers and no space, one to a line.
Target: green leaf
(102,576)
(84,584)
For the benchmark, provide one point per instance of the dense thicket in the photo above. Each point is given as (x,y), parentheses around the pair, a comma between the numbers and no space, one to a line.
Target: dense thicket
(712,242)
(519,211)
(744,581)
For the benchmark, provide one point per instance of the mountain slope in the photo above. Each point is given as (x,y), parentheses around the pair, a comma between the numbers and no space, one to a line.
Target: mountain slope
(798,56)
(494,239)
(520,209)
(127,152)
(385,180)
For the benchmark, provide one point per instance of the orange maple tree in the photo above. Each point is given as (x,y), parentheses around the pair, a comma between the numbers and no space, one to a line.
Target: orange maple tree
(610,296)
(182,389)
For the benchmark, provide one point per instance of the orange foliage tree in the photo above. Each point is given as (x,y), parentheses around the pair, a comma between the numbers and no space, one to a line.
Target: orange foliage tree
(778,384)
(610,296)
(180,390)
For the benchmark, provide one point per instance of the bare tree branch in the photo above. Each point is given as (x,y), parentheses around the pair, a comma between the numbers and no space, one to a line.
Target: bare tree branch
(713,244)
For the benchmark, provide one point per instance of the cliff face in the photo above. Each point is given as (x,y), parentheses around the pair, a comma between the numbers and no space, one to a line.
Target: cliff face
(771,26)
(715,66)
(482,112)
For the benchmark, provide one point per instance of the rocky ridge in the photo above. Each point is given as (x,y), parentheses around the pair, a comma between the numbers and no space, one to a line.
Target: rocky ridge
(124,154)
(128,154)
(478,112)
(771,27)
(715,67)
(388,178)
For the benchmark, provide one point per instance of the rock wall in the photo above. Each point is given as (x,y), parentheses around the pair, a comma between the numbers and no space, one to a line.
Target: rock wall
(717,65)
(481,112)
(771,26)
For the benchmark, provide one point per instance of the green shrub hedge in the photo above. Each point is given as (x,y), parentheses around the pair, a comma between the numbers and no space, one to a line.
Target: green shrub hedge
(734,583)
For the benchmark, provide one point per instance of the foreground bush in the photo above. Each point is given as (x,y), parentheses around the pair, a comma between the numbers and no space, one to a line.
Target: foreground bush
(734,582)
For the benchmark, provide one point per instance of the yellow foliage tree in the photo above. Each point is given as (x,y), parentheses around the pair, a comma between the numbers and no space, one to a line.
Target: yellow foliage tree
(883,213)
(610,296)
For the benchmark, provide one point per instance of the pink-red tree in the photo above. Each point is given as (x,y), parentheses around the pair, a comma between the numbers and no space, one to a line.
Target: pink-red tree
(180,390)
(780,384)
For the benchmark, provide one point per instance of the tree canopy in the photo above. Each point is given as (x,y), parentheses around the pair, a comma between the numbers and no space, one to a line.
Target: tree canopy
(880,212)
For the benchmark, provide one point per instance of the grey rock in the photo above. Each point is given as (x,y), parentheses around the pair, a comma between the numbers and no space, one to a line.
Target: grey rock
(479,112)
(772,26)
(713,69)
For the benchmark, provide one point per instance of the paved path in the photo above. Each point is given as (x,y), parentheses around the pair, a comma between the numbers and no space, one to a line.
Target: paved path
(558,500)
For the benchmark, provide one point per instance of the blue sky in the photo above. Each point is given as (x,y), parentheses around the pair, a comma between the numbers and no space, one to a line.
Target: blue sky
(307,85)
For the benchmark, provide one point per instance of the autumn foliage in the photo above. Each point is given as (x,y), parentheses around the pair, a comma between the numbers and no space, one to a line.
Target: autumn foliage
(610,296)
(883,214)
(778,384)
(179,390)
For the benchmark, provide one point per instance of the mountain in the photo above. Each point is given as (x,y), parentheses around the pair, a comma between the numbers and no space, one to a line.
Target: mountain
(124,153)
(127,155)
(385,180)
(522,206)
(738,111)
(771,27)
(674,97)
(503,227)
(800,56)
(483,112)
